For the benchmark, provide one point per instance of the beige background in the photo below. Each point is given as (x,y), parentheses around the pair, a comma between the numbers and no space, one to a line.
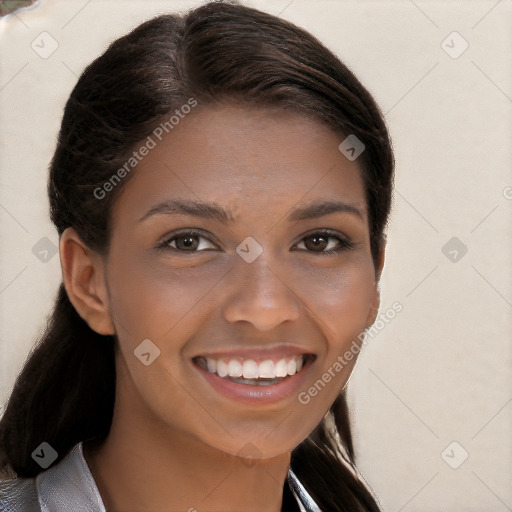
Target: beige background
(441,371)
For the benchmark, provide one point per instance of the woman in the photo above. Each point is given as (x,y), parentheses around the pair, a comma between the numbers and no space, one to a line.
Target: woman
(221,187)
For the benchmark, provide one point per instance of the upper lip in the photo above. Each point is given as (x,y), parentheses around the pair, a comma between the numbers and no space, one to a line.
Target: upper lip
(258,354)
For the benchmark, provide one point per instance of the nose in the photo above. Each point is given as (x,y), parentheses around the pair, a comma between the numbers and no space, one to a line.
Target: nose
(261,295)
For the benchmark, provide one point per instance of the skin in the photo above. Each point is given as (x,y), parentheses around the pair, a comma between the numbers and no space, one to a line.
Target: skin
(175,443)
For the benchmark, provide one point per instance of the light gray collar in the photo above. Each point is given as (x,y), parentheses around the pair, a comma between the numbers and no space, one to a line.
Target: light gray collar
(70,487)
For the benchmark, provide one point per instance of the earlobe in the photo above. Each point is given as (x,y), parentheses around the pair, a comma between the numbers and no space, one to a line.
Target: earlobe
(374,307)
(83,277)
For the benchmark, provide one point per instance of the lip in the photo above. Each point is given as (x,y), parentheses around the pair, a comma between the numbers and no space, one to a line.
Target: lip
(256,395)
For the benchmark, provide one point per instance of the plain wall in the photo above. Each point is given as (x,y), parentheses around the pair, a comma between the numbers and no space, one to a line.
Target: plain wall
(441,370)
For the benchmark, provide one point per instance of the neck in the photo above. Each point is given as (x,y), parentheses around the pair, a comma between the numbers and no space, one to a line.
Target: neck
(143,467)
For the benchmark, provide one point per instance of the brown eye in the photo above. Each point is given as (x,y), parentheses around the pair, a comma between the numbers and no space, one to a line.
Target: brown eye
(324,243)
(189,241)
(316,242)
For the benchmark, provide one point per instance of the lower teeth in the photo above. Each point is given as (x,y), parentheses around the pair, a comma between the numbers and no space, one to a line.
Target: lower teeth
(255,382)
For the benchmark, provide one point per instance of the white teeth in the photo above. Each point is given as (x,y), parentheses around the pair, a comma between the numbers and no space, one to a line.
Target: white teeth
(211,364)
(222,368)
(250,369)
(234,368)
(267,369)
(282,368)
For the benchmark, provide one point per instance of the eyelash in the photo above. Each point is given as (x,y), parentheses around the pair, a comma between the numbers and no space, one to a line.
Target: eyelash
(343,243)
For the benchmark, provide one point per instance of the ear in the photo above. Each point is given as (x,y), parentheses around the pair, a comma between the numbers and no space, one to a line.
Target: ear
(374,307)
(84,279)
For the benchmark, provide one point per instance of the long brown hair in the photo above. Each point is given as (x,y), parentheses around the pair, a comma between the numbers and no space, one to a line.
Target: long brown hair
(219,51)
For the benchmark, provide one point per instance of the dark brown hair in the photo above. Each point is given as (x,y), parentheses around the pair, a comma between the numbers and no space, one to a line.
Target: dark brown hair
(221,51)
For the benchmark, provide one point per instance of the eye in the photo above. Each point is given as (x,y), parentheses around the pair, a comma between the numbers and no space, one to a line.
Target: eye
(320,242)
(187,241)
(324,243)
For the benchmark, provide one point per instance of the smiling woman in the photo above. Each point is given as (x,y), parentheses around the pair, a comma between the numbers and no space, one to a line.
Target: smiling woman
(213,285)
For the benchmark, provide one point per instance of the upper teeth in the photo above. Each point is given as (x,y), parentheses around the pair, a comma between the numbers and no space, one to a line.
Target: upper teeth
(250,369)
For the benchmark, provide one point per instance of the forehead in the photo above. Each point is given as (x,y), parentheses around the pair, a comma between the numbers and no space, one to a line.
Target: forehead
(254,161)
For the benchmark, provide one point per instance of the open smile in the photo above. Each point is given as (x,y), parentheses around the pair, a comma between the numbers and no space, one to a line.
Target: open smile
(255,379)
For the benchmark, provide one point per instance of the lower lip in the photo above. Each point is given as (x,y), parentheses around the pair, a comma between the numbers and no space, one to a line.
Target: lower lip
(265,394)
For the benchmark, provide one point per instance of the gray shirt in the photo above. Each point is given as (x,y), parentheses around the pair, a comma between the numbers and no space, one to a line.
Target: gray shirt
(70,487)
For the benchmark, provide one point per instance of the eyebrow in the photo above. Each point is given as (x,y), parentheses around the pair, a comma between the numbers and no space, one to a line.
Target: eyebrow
(224,215)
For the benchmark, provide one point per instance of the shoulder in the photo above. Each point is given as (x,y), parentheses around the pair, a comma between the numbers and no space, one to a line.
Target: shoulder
(19,495)
(66,486)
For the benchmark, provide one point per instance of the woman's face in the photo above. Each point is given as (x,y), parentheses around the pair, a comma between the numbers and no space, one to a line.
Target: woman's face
(240,245)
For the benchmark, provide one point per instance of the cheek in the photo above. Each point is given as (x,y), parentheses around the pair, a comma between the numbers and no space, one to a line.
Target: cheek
(341,302)
(340,298)
(166,306)
(150,301)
